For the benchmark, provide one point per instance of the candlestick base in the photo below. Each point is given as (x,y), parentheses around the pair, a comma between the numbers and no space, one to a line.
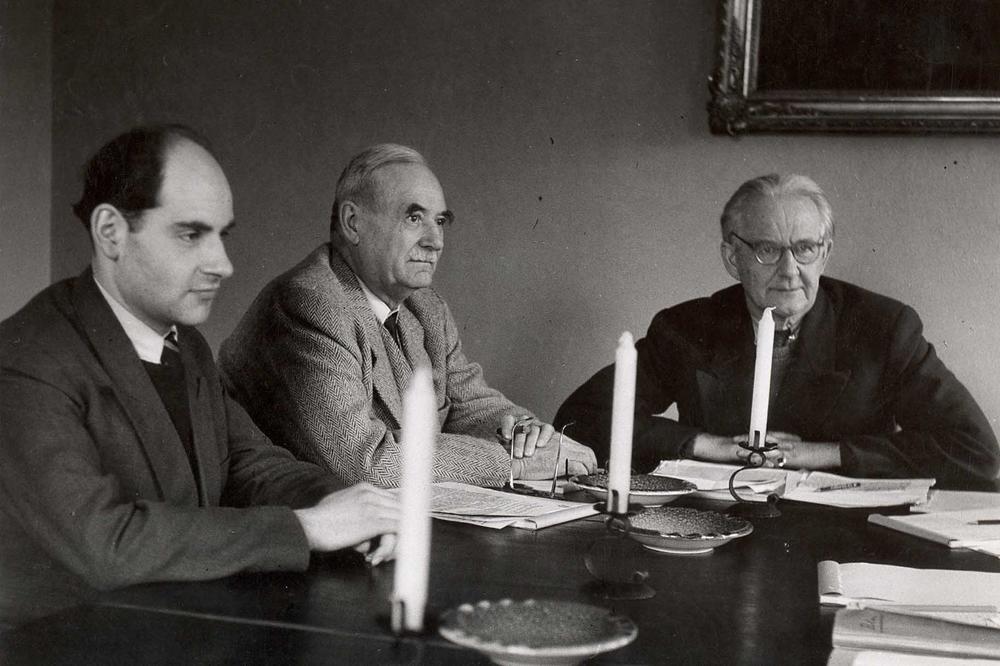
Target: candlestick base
(615,562)
(755,459)
(745,509)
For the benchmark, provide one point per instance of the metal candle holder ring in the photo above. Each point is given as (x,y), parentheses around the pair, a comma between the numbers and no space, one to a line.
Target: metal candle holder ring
(756,458)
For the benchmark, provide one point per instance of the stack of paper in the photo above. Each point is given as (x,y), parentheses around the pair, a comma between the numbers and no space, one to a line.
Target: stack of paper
(894,613)
(712,480)
(462,503)
(978,529)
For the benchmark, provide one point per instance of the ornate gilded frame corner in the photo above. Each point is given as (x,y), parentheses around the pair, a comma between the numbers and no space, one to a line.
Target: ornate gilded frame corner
(737,106)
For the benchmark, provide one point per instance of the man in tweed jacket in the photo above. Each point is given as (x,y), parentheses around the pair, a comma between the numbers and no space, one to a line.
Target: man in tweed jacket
(322,357)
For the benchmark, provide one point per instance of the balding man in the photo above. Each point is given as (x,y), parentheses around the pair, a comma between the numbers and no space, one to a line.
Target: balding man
(324,353)
(122,459)
(855,387)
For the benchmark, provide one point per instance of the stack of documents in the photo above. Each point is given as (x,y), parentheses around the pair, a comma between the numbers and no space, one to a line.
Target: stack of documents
(978,529)
(893,614)
(712,480)
(462,503)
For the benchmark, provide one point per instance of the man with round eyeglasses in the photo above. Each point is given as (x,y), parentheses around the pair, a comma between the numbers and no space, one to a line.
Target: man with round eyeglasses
(855,386)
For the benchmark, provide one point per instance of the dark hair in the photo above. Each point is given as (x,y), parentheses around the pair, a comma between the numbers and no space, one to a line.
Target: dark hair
(127,172)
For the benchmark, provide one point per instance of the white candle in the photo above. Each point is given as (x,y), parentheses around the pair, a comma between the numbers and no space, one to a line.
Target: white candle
(762,379)
(413,547)
(622,417)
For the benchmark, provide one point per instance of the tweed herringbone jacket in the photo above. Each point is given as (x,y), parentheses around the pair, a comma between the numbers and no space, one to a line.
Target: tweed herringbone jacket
(314,368)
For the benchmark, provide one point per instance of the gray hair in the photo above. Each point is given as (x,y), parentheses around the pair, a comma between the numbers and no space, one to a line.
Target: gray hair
(774,186)
(358,183)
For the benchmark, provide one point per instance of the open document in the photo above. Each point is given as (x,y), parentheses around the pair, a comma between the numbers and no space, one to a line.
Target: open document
(496,509)
(712,480)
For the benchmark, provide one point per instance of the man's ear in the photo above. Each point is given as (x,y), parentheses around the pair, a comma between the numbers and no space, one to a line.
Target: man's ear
(728,252)
(108,228)
(349,222)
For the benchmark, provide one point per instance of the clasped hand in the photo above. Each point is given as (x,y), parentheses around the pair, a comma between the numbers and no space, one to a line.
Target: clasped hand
(790,451)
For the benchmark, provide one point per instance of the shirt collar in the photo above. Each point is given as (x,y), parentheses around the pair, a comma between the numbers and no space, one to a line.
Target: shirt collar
(148,343)
(381,310)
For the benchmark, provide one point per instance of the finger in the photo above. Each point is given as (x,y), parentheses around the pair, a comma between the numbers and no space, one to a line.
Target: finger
(385,551)
(519,443)
(531,440)
(546,435)
(506,424)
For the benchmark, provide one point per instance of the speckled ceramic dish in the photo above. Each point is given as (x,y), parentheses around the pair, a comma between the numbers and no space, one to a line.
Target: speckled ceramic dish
(644,489)
(681,531)
(552,633)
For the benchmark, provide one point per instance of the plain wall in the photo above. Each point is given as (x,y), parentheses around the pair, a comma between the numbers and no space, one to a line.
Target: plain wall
(571,139)
(25,150)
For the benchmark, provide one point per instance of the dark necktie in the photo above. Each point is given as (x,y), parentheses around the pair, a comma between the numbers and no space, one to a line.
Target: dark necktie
(783,337)
(170,357)
(392,325)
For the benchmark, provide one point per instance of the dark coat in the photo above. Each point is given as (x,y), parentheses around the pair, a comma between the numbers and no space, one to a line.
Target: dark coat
(96,491)
(862,375)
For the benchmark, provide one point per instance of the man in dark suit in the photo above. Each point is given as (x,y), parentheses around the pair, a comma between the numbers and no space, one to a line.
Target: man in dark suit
(122,459)
(323,355)
(855,387)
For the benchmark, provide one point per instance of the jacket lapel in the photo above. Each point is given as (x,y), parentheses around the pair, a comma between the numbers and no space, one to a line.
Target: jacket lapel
(813,379)
(383,381)
(135,392)
(725,382)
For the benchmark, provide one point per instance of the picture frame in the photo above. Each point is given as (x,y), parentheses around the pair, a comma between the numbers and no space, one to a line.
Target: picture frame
(856,66)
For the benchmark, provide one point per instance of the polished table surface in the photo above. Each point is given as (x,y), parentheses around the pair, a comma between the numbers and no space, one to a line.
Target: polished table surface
(752,601)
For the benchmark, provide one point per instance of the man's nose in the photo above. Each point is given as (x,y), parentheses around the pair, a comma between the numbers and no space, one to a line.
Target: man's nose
(217,261)
(787,265)
(433,237)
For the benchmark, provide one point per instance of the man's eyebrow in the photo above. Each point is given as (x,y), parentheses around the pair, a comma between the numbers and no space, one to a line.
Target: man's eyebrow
(415,208)
(204,227)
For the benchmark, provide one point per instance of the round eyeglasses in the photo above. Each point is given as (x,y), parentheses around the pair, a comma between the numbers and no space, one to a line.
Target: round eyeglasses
(768,254)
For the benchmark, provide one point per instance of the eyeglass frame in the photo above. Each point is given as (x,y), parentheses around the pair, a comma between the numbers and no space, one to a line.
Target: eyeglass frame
(820,245)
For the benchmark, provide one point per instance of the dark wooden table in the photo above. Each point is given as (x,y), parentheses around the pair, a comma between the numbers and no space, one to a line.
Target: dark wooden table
(753,601)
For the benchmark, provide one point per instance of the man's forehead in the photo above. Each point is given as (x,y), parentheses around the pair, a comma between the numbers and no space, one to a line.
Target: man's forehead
(402,186)
(786,211)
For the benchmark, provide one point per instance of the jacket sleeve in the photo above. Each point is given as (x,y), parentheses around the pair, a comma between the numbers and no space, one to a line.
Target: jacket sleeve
(941,433)
(658,376)
(320,392)
(54,482)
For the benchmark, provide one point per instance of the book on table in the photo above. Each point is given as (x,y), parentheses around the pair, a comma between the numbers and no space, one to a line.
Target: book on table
(884,629)
(496,509)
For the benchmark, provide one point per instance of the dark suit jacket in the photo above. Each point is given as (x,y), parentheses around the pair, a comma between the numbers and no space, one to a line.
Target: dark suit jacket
(863,375)
(95,487)
(311,363)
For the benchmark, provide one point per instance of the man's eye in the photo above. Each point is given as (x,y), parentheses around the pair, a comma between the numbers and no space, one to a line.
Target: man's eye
(443,221)
(415,218)
(766,249)
(190,236)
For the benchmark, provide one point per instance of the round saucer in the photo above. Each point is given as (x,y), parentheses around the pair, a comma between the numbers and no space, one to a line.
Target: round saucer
(553,633)
(644,489)
(682,531)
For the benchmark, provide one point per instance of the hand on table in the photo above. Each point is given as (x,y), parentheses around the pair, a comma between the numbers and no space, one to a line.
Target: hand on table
(723,448)
(574,458)
(350,518)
